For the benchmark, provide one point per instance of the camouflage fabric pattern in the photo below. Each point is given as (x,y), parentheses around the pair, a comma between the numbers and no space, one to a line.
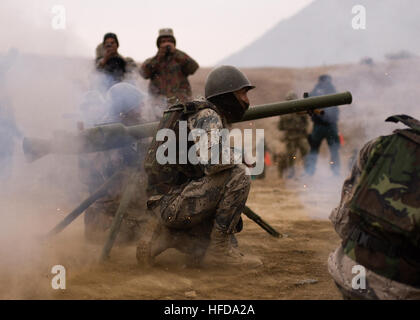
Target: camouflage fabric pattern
(221,195)
(388,276)
(340,267)
(200,115)
(294,127)
(389,192)
(168,76)
(220,192)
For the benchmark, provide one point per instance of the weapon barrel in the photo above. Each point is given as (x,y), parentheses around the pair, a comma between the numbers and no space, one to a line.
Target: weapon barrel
(264,111)
(258,220)
(116,135)
(292,106)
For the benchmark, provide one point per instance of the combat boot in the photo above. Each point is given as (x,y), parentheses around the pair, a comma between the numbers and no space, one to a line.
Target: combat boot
(155,238)
(221,251)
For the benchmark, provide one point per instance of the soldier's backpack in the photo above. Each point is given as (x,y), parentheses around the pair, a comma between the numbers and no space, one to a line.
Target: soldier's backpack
(387,197)
(163,177)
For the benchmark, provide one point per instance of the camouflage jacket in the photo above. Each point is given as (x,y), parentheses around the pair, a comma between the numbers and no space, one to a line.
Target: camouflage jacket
(168,76)
(203,116)
(378,220)
(294,126)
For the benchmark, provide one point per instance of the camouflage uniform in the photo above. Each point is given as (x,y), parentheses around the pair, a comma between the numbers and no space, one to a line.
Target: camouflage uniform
(378,218)
(295,137)
(168,76)
(194,199)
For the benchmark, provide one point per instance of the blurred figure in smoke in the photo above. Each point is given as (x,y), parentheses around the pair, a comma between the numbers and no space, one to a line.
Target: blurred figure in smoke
(294,127)
(93,109)
(169,69)
(111,63)
(124,103)
(325,127)
(9,133)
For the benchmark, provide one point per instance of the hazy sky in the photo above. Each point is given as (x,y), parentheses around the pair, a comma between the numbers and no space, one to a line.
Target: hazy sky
(207,30)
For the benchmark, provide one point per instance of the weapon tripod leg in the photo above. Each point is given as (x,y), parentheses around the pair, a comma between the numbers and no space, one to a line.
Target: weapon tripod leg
(129,192)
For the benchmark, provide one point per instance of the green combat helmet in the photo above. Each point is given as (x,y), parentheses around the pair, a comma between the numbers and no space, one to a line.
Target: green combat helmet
(220,86)
(225,79)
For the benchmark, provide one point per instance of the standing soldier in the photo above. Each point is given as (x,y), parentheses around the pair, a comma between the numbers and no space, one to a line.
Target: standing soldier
(110,62)
(294,127)
(378,219)
(169,69)
(325,127)
(200,204)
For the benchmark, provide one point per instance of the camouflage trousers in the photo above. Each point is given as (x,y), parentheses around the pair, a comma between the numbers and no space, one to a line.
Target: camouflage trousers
(340,267)
(293,148)
(220,197)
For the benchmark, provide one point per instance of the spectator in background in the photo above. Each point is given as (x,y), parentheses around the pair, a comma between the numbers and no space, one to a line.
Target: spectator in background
(324,127)
(110,62)
(169,69)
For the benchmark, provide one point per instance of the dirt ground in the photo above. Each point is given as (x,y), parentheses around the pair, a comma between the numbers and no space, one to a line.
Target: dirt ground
(294,266)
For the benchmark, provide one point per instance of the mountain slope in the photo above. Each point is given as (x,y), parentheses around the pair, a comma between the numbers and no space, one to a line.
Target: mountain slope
(322,33)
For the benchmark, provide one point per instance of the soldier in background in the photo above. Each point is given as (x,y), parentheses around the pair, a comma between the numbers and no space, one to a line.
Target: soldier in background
(325,127)
(9,133)
(294,127)
(378,219)
(110,62)
(169,69)
(124,101)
